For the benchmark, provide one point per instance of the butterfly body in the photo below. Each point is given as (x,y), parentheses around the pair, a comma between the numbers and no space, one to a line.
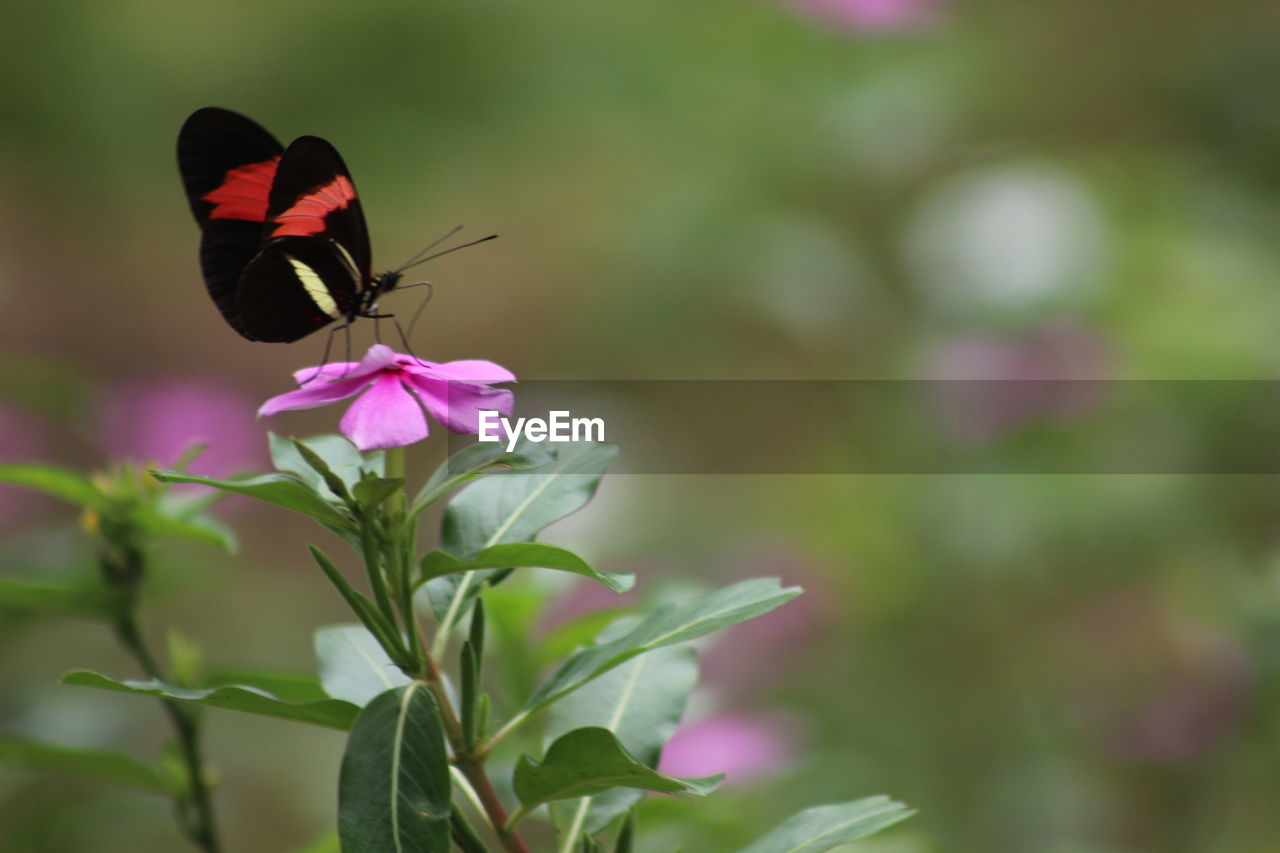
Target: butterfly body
(284,247)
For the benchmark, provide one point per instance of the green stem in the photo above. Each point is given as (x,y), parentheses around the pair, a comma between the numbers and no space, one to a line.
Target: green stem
(394,469)
(451,615)
(398,554)
(506,729)
(472,767)
(196,808)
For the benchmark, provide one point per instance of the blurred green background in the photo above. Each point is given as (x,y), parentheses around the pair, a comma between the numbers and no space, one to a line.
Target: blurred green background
(808,189)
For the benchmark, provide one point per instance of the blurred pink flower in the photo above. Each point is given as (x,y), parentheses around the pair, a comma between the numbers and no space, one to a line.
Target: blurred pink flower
(989,385)
(1196,709)
(871,15)
(155,422)
(744,748)
(1158,685)
(391,391)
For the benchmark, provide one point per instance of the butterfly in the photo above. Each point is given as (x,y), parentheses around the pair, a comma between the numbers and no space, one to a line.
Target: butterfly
(284,248)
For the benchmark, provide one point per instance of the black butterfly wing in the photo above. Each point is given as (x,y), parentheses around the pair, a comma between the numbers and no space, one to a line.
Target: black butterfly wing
(294,286)
(315,259)
(228,163)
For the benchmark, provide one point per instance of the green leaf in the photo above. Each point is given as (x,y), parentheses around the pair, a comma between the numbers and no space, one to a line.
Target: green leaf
(60,483)
(331,713)
(641,702)
(393,791)
(372,491)
(283,490)
(373,619)
(675,623)
(335,451)
(90,763)
(83,601)
(295,688)
(353,665)
(514,507)
(590,761)
(522,555)
(198,528)
(316,463)
(562,640)
(472,461)
(823,827)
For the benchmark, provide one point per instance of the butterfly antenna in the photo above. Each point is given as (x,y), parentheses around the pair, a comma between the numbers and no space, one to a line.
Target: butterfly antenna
(427,248)
(446,251)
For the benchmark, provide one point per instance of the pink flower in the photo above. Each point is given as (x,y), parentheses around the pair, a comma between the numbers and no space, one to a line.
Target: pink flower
(871,15)
(992,385)
(393,390)
(742,748)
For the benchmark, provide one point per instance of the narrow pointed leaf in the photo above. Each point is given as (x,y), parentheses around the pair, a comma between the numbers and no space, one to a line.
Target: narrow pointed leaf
(315,462)
(393,792)
(282,490)
(60,483)
(89,763)
(667,626)
(590,761)
(331,713)
(522,555)
(338,454)
(353,666)
(823,827)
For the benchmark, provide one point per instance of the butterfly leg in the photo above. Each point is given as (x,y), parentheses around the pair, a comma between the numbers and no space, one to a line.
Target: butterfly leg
(328,345)
(431,291)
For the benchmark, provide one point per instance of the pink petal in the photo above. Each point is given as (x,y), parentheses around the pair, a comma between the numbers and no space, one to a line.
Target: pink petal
(316,394)
(378,357)
(457,405)
(386,415)
(329,371)
(474,370)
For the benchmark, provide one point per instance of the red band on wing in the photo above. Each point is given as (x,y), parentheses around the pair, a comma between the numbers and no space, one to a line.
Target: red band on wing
(306,217)
(244,192)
